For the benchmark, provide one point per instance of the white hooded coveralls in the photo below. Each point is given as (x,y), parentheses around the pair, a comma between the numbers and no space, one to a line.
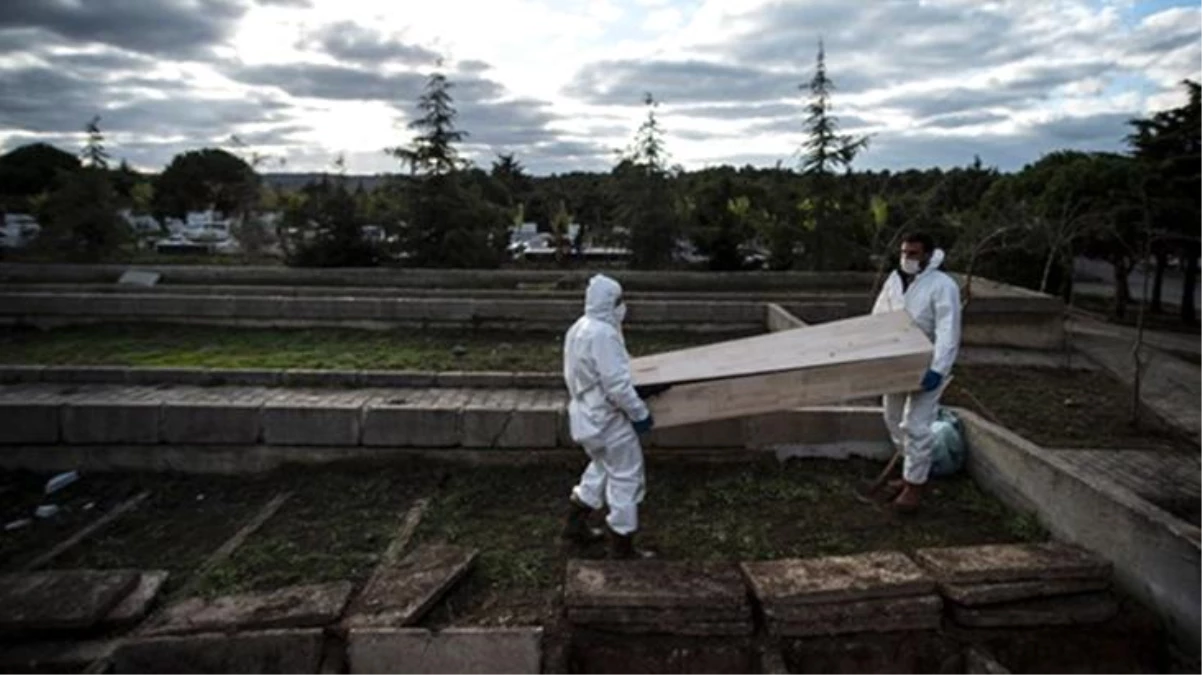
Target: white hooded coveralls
(603,402)
(933,301)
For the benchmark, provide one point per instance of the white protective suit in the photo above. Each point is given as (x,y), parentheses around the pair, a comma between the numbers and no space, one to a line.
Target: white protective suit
(603,403)
(933,301)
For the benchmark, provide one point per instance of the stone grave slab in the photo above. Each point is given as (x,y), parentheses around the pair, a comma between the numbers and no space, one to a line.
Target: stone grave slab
(398,595)
(868,610)
(134,277)
(453,650)
(657,615)
(986,594)
(653,584)
(61,599)
(837,578)
(1083,608)
(1012,562)
(292,607)
(269,651)
(692,628)
(136,605)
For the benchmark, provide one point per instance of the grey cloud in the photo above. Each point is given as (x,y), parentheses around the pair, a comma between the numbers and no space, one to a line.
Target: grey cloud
(346,83)
(504,124)
(673,82)
(473,66)
(174,28)
(1009,152)
(795,124)
(302,4)
(739,111)
(349,41)
(963,119)
(54,100)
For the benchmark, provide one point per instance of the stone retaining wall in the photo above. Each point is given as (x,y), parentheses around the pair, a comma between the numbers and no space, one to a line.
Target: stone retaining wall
(1156,556)
(103,415)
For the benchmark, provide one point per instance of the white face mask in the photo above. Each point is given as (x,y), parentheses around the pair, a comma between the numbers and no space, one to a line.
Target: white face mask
(910,266)
(620,312)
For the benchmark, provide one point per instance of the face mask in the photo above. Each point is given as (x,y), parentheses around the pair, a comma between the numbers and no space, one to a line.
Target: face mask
(620,312)
(910,266)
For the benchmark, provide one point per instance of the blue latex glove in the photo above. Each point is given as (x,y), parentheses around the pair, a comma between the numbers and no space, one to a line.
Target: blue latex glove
(644,425)
(931,381)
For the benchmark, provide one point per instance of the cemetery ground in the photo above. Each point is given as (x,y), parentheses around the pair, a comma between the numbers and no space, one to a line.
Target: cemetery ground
(336,522)
(1070,406)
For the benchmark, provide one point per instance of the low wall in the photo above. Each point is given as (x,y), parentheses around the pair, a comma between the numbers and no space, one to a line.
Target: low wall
(1155,555)
(437,278)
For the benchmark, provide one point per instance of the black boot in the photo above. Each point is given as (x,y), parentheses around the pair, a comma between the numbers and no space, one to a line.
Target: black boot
(621,547)
(576,527)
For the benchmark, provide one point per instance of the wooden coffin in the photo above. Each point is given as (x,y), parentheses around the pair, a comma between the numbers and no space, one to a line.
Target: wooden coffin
(815,365)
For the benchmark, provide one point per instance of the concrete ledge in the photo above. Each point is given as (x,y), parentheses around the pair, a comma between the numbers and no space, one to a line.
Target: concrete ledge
(111,421)
(287,421)
(425,423)
(29,374)
(453,650)
(777,318)
(29,422)
(211,423)
(1155,555)
(269,651)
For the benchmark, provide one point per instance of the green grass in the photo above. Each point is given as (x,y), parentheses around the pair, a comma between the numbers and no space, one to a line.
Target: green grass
(702,512)
(325,348)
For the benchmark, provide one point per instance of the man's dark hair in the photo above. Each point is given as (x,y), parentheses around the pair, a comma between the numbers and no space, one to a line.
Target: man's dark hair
(928,244)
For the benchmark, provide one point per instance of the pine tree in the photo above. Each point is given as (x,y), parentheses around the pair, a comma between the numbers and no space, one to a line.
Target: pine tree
(94,154)
(823,153)
(448,224)
(647,200)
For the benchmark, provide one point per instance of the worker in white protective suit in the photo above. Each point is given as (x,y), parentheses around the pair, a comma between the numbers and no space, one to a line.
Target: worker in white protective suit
(932,299)
(606,416)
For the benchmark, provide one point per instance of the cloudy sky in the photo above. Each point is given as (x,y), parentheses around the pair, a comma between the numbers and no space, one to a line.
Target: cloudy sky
(560,82)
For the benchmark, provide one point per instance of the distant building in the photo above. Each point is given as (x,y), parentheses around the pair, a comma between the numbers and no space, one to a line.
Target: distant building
(19,230)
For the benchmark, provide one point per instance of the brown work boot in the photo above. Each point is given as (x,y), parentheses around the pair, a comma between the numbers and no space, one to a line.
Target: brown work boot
(909,499)
(880,493)
(621,547)
(576,527)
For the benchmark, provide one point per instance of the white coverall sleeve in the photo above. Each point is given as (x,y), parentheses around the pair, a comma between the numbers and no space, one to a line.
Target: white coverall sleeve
(947,327)
(613,367)
(881,305)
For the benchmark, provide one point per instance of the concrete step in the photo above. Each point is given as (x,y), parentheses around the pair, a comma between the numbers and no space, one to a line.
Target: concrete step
(98,414)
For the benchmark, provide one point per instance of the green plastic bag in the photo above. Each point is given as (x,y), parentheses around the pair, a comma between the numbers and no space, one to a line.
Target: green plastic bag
(948,456)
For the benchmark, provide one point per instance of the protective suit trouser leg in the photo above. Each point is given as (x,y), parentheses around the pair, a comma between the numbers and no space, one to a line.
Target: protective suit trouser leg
(894,406)
(616,472)
(919,414)
(590,491)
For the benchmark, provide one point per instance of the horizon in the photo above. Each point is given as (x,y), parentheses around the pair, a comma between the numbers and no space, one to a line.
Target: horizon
(560,86)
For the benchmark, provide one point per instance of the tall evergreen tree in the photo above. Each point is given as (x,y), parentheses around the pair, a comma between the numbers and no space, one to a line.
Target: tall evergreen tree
(94,154)
(648,207)
(824,153)
(448,222)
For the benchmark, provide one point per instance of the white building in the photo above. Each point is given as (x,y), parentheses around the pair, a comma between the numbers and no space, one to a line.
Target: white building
(19,229)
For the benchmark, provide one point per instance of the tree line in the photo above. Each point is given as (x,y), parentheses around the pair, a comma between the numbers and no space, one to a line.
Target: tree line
(439,210)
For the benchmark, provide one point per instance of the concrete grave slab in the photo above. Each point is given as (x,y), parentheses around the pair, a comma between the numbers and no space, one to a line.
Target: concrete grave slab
(398,595)
(985,594)
(270,651)
(915,606)
(688,628)
(653,584)
(71,656)
(1012,562)
(454,650)
(137,604)
(61,599)
(143,278)
(837,621)
(293,607)
(880,574)
(1082,608)
(298,417)
(657,615)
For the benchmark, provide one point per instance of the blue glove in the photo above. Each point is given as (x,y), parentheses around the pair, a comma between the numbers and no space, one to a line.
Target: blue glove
(644,425)
(931,381)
